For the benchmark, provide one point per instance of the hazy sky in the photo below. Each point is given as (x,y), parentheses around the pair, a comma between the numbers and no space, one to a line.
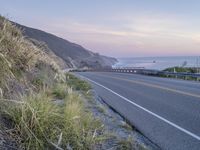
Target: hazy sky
(120,28)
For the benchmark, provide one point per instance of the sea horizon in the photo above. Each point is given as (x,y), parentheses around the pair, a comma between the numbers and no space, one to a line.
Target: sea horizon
(159,62)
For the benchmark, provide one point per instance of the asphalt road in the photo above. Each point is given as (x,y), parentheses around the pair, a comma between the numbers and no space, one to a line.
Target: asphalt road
(167,111)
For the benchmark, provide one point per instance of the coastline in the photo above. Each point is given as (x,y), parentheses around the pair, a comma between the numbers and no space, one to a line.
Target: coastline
(159,63)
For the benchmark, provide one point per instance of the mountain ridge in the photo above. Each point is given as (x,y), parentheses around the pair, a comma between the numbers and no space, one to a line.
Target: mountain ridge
(74,55)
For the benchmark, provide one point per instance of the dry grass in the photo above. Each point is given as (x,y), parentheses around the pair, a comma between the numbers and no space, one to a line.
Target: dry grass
(60,91)
(35,121)
(38,123)
(76,83)
(18,55)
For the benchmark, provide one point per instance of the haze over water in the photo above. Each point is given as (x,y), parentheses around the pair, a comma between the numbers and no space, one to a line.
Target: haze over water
(159,63)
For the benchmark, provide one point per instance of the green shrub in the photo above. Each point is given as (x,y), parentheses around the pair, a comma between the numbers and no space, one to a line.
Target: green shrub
(182,69)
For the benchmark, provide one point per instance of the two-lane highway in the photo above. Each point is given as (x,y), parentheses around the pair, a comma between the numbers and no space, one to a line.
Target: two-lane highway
(167,111)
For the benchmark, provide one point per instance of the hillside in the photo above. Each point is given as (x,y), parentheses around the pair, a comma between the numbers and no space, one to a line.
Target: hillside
(73,54)
(32,86)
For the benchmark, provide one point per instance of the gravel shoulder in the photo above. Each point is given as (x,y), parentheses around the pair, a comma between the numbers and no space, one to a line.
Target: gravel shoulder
(121,135)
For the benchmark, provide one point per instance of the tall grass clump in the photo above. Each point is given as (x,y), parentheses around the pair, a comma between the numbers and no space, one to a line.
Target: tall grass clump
(19,56)
(35,121)
(5,71)
(15,49)
(38,123)
(80,125)
(60,91)
(76,83)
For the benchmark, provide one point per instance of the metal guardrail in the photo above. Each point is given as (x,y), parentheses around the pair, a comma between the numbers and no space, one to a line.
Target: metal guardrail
(150,72)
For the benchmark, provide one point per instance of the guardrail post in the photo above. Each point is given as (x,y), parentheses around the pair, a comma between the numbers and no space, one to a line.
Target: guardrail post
(186,77)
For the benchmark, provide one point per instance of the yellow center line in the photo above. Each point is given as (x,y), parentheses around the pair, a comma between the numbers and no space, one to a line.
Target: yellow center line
(155,86)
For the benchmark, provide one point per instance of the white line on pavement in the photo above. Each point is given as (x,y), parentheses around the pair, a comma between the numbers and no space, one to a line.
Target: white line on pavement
(146,110)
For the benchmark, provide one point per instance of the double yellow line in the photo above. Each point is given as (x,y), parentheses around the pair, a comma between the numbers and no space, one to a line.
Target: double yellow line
(156,86)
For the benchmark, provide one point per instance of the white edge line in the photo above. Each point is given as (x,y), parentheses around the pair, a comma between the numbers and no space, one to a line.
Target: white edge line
(148,111)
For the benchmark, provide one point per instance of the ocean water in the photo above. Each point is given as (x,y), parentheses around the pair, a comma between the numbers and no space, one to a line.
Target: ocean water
(159,63)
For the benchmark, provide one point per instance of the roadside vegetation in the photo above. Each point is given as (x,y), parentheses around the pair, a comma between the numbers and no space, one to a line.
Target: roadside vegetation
(77,84)
(39,122)
(31,89)
(182,70)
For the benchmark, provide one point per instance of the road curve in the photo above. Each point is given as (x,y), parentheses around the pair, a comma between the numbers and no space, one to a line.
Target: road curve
(167,111)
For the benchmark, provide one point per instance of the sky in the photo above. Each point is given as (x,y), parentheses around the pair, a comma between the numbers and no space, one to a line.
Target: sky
(119,28)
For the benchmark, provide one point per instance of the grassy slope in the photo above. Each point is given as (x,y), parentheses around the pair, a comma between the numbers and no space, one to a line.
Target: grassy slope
(31,85)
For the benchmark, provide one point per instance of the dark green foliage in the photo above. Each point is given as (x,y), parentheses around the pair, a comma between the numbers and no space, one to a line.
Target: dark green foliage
(182,69)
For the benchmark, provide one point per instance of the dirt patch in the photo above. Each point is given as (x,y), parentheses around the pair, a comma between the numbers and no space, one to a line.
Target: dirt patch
(6,141)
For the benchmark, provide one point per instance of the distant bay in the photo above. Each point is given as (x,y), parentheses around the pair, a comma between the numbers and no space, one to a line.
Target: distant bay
(159,63)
